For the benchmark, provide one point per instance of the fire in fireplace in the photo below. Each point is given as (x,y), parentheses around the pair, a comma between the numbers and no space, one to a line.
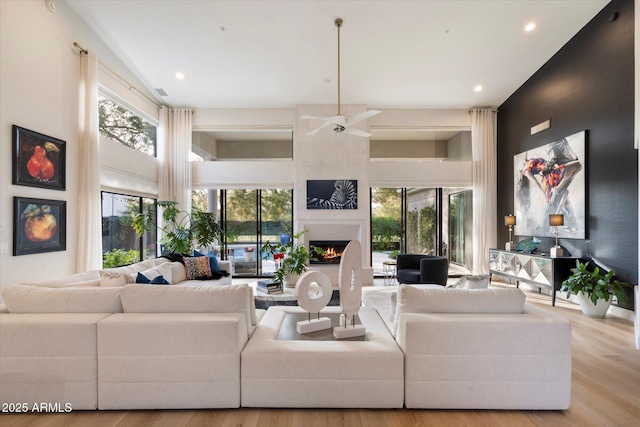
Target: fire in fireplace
(332,251)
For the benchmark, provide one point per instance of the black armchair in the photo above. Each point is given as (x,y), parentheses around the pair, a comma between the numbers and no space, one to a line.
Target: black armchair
(416,268)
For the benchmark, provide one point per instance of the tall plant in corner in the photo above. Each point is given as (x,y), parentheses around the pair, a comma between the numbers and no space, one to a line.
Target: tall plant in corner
(180,229)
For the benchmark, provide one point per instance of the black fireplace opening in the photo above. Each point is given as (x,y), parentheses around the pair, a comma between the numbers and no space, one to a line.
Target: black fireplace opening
(332,251)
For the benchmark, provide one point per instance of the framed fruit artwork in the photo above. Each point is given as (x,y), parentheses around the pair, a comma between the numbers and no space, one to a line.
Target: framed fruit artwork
(39,225)
(38,160)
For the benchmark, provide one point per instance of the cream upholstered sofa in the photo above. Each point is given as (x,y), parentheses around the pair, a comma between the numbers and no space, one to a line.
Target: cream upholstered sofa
(477,348)
(124,347)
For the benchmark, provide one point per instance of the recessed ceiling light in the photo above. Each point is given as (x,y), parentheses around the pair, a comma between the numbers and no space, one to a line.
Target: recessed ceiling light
(477,88)
(179,76)
(530,26)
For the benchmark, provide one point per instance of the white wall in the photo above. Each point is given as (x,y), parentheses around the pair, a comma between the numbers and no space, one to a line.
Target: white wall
(39,72)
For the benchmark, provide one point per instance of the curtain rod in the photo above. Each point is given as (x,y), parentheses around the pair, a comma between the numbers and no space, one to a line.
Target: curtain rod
(493,111)
(125,81)
(82,50)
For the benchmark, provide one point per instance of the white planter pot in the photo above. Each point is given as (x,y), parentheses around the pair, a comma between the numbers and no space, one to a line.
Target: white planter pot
(290,280)
(248,256)
(598,310)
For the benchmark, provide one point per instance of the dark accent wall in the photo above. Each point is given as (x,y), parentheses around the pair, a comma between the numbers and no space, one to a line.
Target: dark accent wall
(587,85)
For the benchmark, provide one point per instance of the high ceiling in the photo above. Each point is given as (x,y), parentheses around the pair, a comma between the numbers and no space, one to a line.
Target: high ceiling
(394,54)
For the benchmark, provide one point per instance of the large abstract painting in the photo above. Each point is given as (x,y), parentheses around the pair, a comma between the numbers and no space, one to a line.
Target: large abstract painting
(551,179)
(332,194)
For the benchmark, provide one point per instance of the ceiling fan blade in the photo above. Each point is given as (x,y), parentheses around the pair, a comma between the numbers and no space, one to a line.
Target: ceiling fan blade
(357,132)
(362,116)
(316,130)
(306,117)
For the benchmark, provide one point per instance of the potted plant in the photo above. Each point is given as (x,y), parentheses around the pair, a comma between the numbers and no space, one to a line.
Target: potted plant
(593,289)
(291,258)
(248,253)
(180,229)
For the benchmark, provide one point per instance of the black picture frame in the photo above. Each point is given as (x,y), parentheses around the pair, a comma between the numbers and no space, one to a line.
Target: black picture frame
(38,160)
(39,225)
(332,194)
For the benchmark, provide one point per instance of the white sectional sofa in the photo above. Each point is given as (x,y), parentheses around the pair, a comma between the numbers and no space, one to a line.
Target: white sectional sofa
(124,347)
(192,345)
(478,349)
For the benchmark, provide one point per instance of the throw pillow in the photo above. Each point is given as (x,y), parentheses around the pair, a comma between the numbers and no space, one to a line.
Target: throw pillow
(112,278)
(163,269)
(197,267)
(471,282)
(158,280)
(213,260)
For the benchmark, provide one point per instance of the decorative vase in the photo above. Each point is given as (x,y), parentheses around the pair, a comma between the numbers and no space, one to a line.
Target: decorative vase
(290,280)
(598,310)
(285,238)
(248,256)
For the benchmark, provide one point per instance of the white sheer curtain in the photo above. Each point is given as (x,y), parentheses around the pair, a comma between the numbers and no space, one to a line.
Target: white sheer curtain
(484,141)
(89,206)
(174,147)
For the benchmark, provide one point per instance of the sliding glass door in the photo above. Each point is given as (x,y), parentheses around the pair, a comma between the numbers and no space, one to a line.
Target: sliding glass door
(250,218)
(387,225)
(415,220)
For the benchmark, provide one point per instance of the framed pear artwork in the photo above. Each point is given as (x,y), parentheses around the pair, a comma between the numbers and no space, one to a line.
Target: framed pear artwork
(38,160)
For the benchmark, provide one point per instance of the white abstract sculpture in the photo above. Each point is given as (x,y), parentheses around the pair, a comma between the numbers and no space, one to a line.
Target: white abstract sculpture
(350,280)
(315,303)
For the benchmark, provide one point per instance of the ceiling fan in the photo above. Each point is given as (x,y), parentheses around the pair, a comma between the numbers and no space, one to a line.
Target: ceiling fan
(339,122)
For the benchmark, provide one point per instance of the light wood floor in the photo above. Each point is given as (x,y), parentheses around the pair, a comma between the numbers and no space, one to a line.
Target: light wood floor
(605,392)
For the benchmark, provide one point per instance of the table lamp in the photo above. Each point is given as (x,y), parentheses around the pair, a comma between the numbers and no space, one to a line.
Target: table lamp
(556,220)
(510,221)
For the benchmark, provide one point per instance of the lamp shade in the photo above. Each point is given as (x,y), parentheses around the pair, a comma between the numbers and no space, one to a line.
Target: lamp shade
(556,220)
(510,219)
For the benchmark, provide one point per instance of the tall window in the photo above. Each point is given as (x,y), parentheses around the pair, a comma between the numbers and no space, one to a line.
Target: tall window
(422,220)
(460,223)
(415,220)
(387,219)
(122,125)
(120,243)
(250,218)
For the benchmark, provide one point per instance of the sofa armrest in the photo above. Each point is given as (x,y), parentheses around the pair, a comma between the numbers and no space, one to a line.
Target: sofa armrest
(225,265)
(50,357)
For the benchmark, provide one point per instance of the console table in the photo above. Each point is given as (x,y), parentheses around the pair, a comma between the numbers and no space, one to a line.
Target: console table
(536,269)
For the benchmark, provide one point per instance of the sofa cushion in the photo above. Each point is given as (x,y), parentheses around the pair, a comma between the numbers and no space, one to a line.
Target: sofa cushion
(471,282)
(213,260)
(87,276)
(188,299)
(164,270)
(84,283)
(158,280)
(497,301)
(37,299)
(114,278)
(197,267)
(178,272)
(138,266)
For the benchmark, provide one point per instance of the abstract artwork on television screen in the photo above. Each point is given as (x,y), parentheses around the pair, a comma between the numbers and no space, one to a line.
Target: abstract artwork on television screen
(550,179)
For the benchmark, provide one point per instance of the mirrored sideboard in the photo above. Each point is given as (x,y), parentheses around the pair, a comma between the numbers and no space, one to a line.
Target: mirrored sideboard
(536,269)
